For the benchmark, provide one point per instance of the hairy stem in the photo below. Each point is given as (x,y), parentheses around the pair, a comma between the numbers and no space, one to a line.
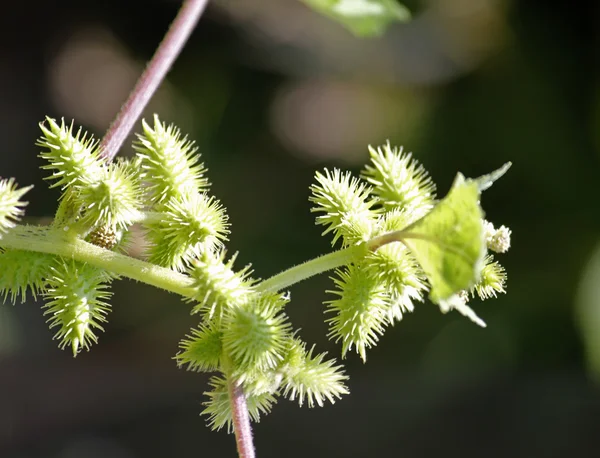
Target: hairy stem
(330,261)
(241,420)
(403,236)
(55,241)
(396,236)
(310,268)
(153,75)
(50,241)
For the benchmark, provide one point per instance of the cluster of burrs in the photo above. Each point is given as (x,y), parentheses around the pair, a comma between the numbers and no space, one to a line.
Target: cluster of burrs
(443,245)
(397,242)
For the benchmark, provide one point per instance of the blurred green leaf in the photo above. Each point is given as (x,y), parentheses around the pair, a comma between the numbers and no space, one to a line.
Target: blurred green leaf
(588,313)
(364,18)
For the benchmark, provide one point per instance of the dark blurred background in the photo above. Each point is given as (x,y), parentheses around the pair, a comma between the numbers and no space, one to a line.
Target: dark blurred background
(271,91)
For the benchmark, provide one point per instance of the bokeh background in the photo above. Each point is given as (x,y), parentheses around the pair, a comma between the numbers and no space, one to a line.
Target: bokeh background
(272,91)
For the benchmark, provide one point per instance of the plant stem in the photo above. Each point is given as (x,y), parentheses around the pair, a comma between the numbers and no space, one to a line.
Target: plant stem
(310,268)
(51,241)
(396,236)
(55,241)
(330,261)
(153,75)
(241,420)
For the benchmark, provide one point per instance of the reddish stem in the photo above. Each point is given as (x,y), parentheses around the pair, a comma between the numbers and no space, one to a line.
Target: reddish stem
(241,421)
(153,75)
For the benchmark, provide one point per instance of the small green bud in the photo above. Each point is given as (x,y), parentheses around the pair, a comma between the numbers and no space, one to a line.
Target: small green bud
(24,271)
(493,280)
(74,159)
(217,286)
(360,312)
(113,200)
(255,334)
(399,181)
(190,226)
(170,163)
(201,350)
(259,381)
(394,266)
(76,303)
(395,220)
(346,205)
(309,378)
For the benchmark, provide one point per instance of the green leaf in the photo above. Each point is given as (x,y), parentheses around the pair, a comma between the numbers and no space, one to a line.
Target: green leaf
(364,18)
(449,242)
(587,309)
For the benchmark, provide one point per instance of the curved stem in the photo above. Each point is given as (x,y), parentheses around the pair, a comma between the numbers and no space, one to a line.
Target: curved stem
(402,236)
(396,236)
(51,241)
(241,420)
(155,72)
(310,268)
(330,261)
(54,241)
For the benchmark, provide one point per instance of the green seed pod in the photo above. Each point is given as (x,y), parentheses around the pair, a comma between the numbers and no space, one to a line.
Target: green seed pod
(76,303)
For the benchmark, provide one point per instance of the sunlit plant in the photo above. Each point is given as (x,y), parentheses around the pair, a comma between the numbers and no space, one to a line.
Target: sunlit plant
(396,244)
